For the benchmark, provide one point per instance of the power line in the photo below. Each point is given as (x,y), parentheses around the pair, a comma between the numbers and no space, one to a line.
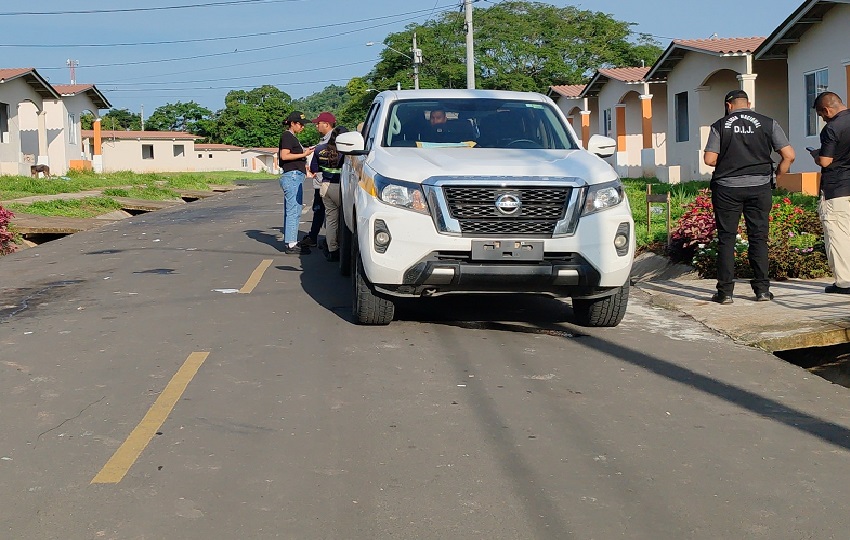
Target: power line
(237,51)
(134,10)
(287,83)
(219,38)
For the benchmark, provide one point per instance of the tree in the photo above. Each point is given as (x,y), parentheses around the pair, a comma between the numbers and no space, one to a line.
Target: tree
(115,120)
(518,46)
(189,117)
(252,118)
(332,99)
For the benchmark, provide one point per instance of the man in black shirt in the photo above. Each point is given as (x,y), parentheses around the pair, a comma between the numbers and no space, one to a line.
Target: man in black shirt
(739,148)
(833,156)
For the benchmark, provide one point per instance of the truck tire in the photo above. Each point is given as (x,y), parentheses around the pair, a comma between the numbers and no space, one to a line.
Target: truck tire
(602,312)
(367,308)
(344,246)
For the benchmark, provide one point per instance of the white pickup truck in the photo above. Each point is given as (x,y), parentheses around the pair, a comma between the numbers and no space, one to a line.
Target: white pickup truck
(479,191)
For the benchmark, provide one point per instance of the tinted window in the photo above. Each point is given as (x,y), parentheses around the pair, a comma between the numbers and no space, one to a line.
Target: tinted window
(476,123)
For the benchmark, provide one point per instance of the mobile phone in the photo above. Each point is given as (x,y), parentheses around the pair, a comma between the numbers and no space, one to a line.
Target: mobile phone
(810,148)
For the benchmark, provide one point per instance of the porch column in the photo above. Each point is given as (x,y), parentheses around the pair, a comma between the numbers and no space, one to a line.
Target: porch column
(97,157)
(748,85)
(706,115)
(847,81)
(43,158)
(585,128)
(647,154)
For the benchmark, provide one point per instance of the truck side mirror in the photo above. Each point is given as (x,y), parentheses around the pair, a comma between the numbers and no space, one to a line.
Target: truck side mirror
(602,146)
(350,143)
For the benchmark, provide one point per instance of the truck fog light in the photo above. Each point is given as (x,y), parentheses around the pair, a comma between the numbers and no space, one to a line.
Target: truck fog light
(621,239)
(382,236)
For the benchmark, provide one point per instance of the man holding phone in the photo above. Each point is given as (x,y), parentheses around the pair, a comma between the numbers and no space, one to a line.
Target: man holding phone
(325,123)
(739,147)
(833,156)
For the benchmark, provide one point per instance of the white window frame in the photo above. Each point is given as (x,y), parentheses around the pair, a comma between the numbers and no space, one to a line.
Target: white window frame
(5,111)
(814,124)
(72,128)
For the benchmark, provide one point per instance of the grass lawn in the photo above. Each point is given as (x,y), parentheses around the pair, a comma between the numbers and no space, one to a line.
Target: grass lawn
(87,207)
(15,187)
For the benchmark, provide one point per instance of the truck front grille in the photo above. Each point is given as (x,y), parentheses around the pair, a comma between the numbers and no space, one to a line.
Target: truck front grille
(477,209)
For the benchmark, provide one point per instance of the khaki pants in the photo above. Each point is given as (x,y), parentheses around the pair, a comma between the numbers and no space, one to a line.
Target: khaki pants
(835,217)
(332,203)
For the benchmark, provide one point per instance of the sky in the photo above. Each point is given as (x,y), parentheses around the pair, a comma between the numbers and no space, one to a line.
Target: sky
(165,51)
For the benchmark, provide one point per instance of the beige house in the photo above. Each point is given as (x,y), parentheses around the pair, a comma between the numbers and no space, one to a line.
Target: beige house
(226,157)
(64,133)
(632,110)
(23,120)
(581,112)
(698,74)
(812,42)
(142,151)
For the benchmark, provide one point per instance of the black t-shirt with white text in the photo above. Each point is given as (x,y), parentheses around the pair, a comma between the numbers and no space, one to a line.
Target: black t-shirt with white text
(835,143)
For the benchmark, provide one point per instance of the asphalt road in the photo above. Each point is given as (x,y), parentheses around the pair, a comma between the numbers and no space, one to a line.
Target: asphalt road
(141,398)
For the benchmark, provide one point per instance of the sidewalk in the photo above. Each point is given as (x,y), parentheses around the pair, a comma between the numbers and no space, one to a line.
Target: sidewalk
(800,316)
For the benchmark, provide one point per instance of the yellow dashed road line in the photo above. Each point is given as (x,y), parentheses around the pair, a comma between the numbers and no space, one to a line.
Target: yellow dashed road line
(139,438)
(256,276)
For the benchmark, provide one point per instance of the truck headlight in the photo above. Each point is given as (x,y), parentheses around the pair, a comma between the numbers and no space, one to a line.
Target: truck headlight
(401,194)
(603,196)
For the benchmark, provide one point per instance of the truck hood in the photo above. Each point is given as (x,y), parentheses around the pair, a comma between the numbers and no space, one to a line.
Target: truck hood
(418,164)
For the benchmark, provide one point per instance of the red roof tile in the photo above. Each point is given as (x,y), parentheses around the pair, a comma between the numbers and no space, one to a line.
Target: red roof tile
(71,89)
(216,146)
(722,45)
(625,74)
(567,90)
(13,73)
(149,135)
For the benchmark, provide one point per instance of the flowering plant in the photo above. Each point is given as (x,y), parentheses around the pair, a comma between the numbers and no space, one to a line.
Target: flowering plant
(7,237)
(795,245)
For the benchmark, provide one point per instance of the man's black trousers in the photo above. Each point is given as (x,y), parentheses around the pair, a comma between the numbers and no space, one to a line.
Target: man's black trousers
(318,215)
(754,203)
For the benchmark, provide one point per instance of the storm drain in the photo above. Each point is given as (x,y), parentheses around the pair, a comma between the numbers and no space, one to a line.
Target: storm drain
(831,362)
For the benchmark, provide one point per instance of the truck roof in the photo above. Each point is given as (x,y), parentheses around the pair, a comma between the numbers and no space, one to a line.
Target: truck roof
(394,95)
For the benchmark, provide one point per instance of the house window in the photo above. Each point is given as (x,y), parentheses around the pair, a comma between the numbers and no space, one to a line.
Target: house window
(682,122)
(245,162)
(179,150)
(816,82)
(4,123)
(200,156)
(210,156)
(147,151)
(72,129)
(607,127)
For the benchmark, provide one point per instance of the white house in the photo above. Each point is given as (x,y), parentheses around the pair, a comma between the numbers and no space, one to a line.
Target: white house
(581,112)
(64,133)
(23,120)
(813,43)
(226,157)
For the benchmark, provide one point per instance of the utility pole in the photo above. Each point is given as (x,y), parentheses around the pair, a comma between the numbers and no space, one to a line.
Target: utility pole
(470,51)
(142,117)
(73,65)
(417,59)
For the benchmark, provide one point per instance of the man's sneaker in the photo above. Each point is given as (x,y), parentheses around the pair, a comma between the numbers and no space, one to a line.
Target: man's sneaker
(332,256)
(722,298)
(835,289)
(765,296)
(297,249)
(308,241)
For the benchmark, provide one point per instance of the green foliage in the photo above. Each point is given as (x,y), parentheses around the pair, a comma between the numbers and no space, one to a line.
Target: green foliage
(189,117)
(680,195)
(79,208)
(332,98)
(518,46)
(252,119)
(151,193)
(114,120)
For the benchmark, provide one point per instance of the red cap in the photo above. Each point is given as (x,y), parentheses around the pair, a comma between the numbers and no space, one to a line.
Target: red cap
(325,117)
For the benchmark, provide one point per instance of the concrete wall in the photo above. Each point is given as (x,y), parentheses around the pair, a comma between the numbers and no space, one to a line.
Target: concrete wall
(823,46)
(13,93)
(126,155)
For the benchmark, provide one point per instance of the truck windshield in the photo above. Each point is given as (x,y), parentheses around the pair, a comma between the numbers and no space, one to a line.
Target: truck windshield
(476,123)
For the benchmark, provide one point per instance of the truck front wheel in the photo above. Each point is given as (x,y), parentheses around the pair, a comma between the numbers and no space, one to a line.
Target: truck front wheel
(602,312)
(367,307)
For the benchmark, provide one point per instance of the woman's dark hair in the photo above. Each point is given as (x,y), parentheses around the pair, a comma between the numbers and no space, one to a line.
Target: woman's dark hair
(331,151)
